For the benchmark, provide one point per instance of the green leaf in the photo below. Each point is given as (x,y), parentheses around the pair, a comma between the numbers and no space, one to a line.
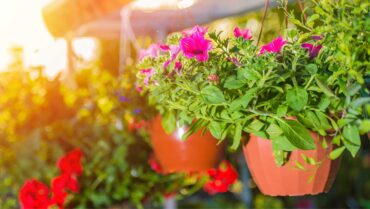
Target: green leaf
(310,120)
(364,127)
(216,129)
(311,19)
(237,136)
(324,123)
(194,127)
(255,125)
(297,134)
(324,144)
(309,160)
(336,153)
(212,95)
(249,74)
(311,68)
(297,98)
(299,166)
(324,88)
(282,110)
(360,102)
(232,83)
(324,103)
(169,122)
(282,143)
(280,157)
(274,131)
(352,140)
(244,100)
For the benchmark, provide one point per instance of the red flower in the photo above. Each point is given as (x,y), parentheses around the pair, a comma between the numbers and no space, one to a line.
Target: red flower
(221,178)
(71,163)
(59,185)
(34,195)
(135,125)
(154,164)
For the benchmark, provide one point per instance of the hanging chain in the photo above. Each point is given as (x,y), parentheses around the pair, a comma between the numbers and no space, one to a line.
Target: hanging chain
(263,20)
(302,10)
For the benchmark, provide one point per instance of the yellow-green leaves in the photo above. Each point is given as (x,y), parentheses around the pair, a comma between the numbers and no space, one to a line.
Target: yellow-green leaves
(212,95)
(297,98)
(352,139)
(336,153)
(297,134)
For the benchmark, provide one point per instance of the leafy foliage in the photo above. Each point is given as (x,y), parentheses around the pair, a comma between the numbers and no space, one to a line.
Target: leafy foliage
(260,93)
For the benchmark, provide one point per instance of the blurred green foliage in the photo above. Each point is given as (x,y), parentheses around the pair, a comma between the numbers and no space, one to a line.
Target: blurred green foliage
(41,119)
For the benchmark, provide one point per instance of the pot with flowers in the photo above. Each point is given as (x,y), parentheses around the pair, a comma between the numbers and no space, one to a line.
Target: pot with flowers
(200,151)
(296,100)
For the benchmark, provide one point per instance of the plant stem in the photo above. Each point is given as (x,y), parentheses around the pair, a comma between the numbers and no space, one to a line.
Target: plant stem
(309,82)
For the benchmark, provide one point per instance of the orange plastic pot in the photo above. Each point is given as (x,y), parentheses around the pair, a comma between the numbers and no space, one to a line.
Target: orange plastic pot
(196,153)
(288,180)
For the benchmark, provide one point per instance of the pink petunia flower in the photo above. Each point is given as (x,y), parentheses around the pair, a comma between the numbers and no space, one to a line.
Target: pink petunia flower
(151,51)
(138,88)
(274,46)
(318,38)
(196,46)
(148,74)
(174,51)
(195,30)
(312,49)
(178,66)
(246,33)
(164,47)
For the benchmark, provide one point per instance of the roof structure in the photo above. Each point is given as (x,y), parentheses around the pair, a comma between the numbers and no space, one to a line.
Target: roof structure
(102,18)
(63,16)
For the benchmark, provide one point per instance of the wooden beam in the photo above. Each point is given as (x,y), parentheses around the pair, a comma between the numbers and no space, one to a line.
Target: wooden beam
(144,22)
(63,16)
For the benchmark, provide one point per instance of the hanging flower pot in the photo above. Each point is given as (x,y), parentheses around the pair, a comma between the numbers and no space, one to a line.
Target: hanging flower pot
(297,176)
(197,153)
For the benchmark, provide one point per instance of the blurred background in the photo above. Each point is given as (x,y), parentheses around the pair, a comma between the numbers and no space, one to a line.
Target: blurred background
(67,80)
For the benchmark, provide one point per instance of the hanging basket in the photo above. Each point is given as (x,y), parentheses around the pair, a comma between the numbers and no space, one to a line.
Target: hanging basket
(197,153)
(289,179)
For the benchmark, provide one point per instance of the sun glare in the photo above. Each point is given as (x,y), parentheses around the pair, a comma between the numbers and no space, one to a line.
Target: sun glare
(162,4)
(21,24)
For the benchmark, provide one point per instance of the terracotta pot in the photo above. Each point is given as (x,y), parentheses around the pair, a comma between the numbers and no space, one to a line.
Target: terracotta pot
(196,153)
(288,180)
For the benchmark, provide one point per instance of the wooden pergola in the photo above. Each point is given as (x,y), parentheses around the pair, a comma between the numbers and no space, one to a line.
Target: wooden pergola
(119,19)
(103,19)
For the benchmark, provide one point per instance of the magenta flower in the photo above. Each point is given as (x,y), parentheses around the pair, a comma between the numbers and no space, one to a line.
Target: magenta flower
(178,66)
(148,74)
(246,33)
(139,88)
(195,30)
(274,46)
(195,46)
(312,49)
(151,51)
(164,47)
(317,38)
